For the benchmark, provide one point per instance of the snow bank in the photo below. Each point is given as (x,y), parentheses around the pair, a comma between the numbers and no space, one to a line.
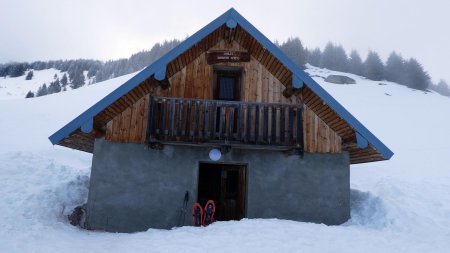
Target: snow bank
(397,205)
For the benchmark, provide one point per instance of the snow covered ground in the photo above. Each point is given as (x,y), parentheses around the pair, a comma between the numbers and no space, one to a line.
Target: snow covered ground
(18,87)
(401,205)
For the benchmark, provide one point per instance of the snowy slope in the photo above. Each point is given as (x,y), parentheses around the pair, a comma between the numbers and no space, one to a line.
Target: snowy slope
(18,87)
(397,205)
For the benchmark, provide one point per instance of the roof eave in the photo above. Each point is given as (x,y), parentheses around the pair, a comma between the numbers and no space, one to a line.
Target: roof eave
(227,18)
(147,72)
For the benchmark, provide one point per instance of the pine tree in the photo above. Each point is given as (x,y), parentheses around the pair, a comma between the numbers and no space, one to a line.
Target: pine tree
(395,68)
(341,59)
(373,67)
(293,49)
(355,64)
(17,69)
(92,70)
(334,58)
(30,94)
(314,57)
(416,77)
(42,91)
(54,87)
(64,80)
(443,88)
(29,75)
(327,58)
(77,79)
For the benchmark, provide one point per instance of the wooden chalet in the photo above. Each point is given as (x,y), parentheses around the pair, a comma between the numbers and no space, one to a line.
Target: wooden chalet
(227,87)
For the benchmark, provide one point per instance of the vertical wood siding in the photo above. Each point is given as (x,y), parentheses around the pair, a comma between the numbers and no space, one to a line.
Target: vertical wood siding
(195,81)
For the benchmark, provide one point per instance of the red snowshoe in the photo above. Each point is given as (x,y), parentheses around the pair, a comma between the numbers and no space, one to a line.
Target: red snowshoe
(210,209)
(197,215)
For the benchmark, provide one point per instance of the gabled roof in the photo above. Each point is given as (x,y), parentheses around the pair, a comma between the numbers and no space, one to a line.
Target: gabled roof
(231,18)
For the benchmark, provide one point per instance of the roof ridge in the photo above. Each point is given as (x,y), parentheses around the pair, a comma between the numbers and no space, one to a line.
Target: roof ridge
(231,18)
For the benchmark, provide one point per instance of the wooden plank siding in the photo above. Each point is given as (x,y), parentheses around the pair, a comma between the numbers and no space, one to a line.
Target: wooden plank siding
(264,79)
(195,81)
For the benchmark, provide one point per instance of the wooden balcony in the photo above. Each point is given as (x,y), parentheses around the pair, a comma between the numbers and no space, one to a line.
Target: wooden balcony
(224,123)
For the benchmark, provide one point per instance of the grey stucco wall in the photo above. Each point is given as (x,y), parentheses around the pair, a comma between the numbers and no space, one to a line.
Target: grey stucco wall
(133,189)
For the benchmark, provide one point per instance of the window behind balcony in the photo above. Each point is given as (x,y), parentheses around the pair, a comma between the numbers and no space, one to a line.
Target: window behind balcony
(228,85)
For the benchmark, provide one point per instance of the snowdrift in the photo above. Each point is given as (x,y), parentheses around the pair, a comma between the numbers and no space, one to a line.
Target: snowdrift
(397,205)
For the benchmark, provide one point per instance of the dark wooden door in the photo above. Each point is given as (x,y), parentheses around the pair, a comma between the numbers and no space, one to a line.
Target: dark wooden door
(226,185)
(232,192)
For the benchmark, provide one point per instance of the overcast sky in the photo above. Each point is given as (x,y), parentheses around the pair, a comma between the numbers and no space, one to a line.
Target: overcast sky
(108,29)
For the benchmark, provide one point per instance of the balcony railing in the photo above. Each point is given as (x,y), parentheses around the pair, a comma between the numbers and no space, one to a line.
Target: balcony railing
(234,123)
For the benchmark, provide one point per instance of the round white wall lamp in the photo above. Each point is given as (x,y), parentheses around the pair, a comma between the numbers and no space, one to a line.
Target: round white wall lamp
(215,154)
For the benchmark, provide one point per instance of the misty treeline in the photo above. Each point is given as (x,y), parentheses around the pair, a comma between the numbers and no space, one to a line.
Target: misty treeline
(408,72)
(81,71)
(397,69)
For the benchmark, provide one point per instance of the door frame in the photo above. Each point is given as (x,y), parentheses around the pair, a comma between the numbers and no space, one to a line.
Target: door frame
(244,194)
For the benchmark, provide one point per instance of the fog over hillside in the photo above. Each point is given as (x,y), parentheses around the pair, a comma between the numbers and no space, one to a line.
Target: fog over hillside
(72,74)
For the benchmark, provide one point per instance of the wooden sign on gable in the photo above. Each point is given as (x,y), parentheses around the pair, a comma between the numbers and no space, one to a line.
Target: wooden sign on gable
(217,56)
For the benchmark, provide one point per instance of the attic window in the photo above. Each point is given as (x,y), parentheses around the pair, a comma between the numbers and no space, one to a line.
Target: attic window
(227,84)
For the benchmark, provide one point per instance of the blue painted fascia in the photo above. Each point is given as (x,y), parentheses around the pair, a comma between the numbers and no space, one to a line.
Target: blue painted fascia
(139,78)
(313,85)
(231,18)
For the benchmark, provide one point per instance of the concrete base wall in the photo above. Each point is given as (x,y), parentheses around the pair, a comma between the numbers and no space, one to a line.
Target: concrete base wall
(133,189)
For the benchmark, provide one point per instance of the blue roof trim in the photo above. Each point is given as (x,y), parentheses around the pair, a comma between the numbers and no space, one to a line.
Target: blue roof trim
(153,68)
(361,141)
(231,18)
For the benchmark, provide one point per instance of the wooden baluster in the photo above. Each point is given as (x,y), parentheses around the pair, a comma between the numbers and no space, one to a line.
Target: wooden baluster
(162,117)
(205,118)
(248,132)
(257,124)
(282,111)
(273,134)
(187,132)
(266,124)
(239,122)
(172,116)
(291,125)
(150,120)
(222,123)
(213,125)
(299,127)
(196,116)
(231,122)
(180,118)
